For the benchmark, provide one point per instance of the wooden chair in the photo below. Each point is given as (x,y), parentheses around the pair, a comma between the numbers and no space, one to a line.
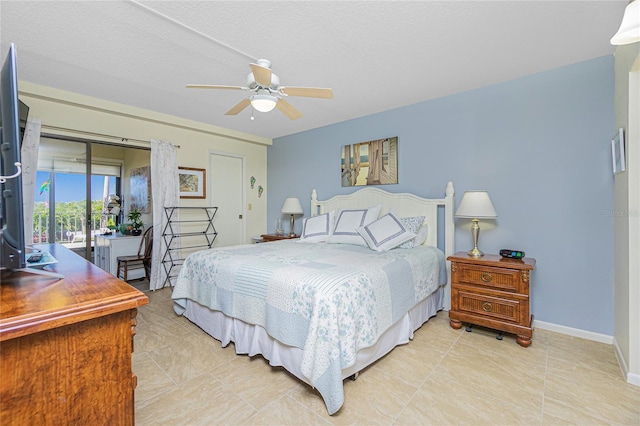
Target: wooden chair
(140,260)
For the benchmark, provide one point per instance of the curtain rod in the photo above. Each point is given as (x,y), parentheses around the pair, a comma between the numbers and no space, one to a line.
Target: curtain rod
(86,133)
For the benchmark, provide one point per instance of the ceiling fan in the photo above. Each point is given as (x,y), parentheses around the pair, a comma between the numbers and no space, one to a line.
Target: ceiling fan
(267,92)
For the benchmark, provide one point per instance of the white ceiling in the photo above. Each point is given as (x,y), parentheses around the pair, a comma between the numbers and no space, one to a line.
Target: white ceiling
(375,55)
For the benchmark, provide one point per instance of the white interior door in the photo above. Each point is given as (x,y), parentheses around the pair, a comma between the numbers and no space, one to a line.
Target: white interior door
(227,193)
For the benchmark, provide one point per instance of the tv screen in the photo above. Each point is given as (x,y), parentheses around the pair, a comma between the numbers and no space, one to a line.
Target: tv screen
(12,243)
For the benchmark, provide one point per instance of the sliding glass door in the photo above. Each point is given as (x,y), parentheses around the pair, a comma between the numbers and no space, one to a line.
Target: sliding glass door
(72,185)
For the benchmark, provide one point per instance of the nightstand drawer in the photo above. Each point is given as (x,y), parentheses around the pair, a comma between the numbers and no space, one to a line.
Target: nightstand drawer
(487,306)
(498,278)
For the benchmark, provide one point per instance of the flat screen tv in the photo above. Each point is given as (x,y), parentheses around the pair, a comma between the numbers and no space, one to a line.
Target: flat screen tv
(12,242)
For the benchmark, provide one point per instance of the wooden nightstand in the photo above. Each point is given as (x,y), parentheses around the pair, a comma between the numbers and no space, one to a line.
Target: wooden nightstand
(273,237)
(492,292)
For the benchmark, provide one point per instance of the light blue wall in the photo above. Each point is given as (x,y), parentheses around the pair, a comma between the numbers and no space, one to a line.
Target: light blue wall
(540,145)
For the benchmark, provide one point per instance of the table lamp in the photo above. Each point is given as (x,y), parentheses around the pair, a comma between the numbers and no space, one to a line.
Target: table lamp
(476,205)
(292,206)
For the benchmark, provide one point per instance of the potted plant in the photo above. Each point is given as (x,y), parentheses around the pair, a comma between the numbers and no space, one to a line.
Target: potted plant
(136,224)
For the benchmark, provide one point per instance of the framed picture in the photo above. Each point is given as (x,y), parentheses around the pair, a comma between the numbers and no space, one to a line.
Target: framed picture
(140,189)
(193,182)
(370,163)
(617,152)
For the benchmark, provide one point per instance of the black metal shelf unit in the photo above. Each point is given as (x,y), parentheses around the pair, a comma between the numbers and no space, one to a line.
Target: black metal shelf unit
(200,234)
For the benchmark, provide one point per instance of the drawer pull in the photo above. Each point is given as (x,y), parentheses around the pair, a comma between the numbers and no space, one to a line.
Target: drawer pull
(486,277)
(487,307)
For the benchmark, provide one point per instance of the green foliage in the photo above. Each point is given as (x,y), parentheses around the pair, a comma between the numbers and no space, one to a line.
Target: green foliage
(70,217)
(134,216)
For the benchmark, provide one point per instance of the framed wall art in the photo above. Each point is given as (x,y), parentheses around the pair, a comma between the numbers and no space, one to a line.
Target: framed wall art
(193,182)
(140,189)
(618,152)
(370,163)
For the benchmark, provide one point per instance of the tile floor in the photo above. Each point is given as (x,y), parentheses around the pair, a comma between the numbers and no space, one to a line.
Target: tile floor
(443,377)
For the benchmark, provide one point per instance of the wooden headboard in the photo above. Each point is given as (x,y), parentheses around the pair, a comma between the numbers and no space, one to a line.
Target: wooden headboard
(402,204)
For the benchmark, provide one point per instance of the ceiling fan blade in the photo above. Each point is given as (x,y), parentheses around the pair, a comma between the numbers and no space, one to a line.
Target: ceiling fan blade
(239,107)
(288,109)
(213,86)
(309,92)
(261,74)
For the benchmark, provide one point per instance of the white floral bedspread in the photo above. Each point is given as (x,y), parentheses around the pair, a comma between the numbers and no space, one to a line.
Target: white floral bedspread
(330,300)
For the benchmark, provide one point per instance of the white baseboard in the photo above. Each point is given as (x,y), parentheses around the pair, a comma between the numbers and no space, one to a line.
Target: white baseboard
(631,378)
(575,332)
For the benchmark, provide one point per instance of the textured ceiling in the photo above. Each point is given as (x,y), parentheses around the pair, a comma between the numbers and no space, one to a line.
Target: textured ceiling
(375,55)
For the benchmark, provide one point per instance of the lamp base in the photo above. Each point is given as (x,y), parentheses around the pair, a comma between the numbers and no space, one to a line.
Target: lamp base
(475,252)
(475,233)
(291,233)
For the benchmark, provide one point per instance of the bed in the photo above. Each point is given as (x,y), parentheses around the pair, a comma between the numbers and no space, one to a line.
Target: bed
(325,311)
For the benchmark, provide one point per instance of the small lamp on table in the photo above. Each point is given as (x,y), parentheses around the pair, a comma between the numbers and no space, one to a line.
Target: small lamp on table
(292,206)
(476,205)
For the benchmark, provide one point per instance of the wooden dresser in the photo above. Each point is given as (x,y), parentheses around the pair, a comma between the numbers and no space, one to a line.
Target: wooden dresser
(493,292)
(65,345)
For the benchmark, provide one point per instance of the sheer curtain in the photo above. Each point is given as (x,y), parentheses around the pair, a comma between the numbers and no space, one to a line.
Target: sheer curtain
(165,193)
(29,160)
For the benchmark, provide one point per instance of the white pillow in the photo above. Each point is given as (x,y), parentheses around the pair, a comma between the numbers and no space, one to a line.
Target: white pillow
(413,224)
(317,229)
(347,222)
(385,233)
(421,236)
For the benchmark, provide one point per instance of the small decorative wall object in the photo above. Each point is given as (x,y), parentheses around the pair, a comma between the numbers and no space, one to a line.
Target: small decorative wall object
(253,182)
(192,182)
(140,189)
(260,191)
(618,152)
(370,163)
(45,186)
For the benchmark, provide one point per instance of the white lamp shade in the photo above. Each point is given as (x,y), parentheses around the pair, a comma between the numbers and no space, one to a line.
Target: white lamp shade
(263,103)
(292,206)
(476,205)
(629,31)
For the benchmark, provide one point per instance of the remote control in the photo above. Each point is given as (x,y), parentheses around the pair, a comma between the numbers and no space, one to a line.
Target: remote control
(34,258)
(512,254)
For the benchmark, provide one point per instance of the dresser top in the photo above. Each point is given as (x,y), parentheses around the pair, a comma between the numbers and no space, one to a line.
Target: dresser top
(30,303)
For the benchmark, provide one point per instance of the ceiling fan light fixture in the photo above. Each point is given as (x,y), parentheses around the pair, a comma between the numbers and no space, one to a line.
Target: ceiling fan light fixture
(263,103)
(266,92)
